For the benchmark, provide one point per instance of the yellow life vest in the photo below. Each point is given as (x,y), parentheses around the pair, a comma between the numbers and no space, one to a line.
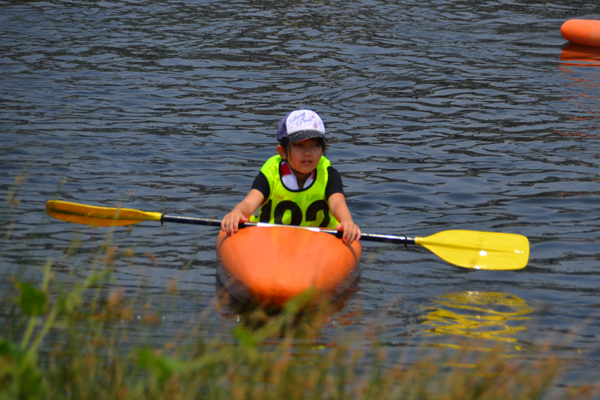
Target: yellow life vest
(303,207)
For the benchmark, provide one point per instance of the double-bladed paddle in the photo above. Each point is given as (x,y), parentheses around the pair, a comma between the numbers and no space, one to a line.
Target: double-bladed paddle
(467,249)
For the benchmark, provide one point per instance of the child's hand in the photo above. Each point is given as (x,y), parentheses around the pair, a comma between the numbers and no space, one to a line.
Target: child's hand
(351,231)
(231,222)
(247,206)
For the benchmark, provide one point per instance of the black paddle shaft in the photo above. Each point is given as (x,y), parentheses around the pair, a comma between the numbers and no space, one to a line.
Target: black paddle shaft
(370,237)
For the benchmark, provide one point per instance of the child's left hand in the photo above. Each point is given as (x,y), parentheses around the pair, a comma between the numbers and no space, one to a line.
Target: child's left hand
(351,231)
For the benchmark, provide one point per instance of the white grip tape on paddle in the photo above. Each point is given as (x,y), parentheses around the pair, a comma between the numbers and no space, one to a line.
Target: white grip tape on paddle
(266,225)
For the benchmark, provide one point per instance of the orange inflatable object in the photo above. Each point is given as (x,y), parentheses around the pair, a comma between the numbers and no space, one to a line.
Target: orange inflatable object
(270,265)
(582,31)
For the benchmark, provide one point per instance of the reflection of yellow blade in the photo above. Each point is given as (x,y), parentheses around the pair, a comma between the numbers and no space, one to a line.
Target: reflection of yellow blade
(491,327)
(98,216)
(479,250)
(479,315)
(495,303)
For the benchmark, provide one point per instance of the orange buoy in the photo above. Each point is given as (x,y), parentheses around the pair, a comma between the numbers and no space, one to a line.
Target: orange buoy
(582,31)
(271,265)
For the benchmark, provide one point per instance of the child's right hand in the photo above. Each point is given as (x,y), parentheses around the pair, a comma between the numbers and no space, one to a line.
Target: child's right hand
(230,223)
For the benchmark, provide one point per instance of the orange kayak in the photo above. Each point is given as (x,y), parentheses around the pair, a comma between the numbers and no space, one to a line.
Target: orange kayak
(582,31)
(270,265)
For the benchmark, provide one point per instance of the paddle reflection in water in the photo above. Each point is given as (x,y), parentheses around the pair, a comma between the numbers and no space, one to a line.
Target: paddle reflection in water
(492,316)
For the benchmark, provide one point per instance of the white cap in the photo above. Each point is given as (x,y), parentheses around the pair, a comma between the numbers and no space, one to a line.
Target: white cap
(301,125)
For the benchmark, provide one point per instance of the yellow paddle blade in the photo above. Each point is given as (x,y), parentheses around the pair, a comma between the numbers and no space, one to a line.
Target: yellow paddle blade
(479,250)
(98,216)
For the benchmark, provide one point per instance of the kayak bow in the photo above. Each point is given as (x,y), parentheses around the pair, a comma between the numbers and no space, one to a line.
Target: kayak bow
(271,265)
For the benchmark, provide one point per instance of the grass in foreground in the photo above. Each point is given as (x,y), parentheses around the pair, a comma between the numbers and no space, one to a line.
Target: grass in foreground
(263,361)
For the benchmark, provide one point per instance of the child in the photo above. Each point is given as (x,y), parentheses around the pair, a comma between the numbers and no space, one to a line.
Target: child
(298,186)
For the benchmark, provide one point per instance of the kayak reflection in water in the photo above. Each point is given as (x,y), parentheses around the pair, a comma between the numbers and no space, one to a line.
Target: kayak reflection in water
(298,186)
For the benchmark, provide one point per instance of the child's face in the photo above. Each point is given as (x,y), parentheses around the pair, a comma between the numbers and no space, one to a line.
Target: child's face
(304,156)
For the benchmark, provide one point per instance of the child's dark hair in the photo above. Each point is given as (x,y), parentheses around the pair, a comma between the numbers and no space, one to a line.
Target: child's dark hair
(285,143)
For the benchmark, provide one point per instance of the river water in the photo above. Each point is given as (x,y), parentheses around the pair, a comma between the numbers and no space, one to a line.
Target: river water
(440,115)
